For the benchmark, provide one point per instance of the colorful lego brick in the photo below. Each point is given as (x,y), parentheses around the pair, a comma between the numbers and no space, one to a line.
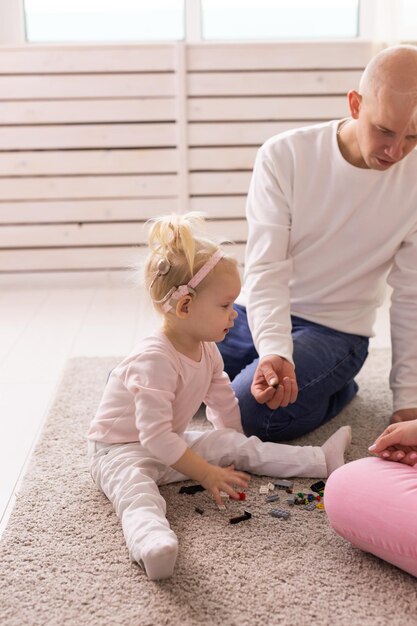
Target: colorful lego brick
(281,513)
(310,506)
(320,505)
(242,495)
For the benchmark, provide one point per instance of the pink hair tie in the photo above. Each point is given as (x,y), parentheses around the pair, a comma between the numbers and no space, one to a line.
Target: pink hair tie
(183,290)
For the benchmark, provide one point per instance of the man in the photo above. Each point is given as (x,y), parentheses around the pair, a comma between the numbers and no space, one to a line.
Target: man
(332,215)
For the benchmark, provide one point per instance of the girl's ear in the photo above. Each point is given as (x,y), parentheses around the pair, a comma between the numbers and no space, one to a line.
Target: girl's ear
(183,307)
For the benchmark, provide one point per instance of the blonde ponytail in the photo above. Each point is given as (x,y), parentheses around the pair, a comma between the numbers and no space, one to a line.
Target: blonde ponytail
(177,252)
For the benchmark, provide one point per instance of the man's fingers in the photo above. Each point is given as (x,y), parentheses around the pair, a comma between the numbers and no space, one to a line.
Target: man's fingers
(262,395)
(290,391)
(285,394)
(269,375)
(294,391)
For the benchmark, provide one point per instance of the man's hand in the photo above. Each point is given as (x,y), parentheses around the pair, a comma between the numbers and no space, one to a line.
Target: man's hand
(403,415)
(274,382)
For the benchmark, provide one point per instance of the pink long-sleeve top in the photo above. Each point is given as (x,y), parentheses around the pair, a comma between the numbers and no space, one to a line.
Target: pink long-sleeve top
(152,395)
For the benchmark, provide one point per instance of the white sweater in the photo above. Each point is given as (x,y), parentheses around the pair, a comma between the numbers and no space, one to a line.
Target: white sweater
(323,237)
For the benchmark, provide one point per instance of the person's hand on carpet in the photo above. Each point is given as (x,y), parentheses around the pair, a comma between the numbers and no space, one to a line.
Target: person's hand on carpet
(220,479)
(398,443)
(213,477)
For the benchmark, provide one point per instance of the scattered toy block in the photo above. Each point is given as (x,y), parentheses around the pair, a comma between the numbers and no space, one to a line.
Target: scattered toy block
(272,498)
(191,489)
(240,518)
(284,484)
(318,486)
(280,513)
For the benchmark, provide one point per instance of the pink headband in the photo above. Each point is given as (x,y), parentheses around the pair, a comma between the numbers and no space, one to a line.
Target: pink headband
(178,292)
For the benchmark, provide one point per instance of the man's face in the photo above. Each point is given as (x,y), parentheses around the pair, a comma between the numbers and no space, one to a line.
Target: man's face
(386,129)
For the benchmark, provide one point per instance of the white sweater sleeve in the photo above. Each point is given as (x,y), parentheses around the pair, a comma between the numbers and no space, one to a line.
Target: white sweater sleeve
(268,267)
(222,405)
(403,279)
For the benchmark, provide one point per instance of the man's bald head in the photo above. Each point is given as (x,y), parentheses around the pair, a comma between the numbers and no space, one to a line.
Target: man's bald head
(384,111)
(394,70)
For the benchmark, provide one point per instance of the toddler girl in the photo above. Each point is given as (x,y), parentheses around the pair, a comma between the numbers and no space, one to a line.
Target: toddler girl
(138,438)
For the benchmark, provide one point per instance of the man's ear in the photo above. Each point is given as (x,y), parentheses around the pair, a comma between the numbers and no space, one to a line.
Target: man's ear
(355,103)
(183,307)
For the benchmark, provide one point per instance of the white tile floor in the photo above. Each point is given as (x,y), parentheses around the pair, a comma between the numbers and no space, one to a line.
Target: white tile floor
(46,319)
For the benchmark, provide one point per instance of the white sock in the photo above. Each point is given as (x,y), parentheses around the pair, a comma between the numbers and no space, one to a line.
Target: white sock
(334,448)
(159,555)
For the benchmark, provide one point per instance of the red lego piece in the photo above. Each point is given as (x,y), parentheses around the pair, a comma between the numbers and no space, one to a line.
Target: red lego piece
(242,495)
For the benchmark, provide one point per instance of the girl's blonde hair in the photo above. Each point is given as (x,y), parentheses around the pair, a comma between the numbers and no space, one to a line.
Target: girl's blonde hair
(177,251)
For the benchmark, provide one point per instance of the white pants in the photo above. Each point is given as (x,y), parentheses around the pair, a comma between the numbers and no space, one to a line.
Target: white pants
(129,476)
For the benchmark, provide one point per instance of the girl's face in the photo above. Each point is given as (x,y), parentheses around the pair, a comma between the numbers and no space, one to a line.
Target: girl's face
(211,312)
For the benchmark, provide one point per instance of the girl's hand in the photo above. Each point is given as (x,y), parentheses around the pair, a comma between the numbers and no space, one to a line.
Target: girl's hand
(398,443)
(219,479)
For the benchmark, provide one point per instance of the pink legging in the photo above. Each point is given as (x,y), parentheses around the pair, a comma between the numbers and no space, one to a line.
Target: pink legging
(373,504)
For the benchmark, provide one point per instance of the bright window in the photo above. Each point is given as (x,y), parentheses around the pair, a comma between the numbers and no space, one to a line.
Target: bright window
(279,19)
(408,20)
(103,20)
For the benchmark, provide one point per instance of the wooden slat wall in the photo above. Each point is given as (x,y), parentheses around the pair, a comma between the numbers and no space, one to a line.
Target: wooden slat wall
(94,140)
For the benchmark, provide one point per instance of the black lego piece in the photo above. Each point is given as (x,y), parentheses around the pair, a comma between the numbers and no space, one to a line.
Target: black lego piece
(241,518)
(191,489)
(318,486)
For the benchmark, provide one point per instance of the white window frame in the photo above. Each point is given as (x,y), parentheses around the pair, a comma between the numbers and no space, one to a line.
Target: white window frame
(378,21)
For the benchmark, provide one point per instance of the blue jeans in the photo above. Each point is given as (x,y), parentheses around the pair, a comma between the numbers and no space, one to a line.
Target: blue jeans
(326,363)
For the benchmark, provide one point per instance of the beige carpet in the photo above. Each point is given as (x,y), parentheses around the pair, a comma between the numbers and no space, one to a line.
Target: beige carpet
(63,558)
